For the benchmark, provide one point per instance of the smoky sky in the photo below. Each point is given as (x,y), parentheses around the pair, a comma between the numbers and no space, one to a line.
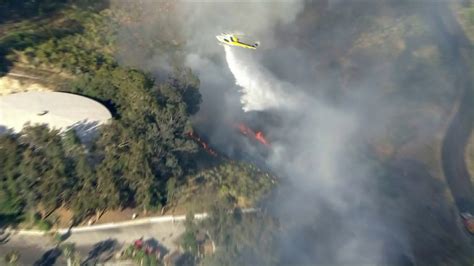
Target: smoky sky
(341,76)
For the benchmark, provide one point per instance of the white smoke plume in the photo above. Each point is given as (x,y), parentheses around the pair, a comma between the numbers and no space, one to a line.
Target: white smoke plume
(260,89)
(331,208)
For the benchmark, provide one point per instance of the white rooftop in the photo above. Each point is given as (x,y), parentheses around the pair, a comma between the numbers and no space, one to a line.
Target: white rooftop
(58,110)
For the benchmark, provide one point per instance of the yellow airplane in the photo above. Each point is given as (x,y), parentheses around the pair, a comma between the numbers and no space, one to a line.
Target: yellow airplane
(231,39)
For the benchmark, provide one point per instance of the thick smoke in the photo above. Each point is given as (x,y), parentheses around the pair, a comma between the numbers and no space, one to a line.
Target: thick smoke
(330,207)
(260,89)
(328,186)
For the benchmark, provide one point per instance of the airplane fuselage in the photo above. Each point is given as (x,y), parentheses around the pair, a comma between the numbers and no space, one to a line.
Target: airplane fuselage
(229,39)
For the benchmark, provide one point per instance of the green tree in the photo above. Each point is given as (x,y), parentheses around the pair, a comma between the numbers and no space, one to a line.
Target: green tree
(32,167)
(47,168)
(241,239)
(86,197)
(188,240)
(188,85)
(133,157)
(11,202)
(171,186)
(68,250)
(141,179)
(108,186)
(9,205)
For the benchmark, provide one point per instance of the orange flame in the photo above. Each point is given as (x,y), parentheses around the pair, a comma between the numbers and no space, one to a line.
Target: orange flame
(259,136)
(204,145)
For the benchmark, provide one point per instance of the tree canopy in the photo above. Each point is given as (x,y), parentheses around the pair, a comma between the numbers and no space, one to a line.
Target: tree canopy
(239,239)
(140,159)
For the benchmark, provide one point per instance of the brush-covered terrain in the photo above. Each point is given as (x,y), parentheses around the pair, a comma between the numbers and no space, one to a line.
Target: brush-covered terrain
(144,159)
(411,65)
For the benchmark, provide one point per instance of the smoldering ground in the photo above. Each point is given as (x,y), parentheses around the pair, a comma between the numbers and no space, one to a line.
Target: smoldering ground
(342,76)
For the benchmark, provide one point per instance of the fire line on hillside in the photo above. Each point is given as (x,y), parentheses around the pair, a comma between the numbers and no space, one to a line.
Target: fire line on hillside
(243,129)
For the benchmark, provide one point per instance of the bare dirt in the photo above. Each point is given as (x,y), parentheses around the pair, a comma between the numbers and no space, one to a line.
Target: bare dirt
(23,78)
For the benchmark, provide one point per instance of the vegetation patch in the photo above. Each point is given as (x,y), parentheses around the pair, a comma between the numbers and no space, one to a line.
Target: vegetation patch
(230,237)
(236,183)
(139,160)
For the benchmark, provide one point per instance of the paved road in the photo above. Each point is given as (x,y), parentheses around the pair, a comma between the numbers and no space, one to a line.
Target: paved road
(456,49)
(33,247)
(104,239)
(19,75)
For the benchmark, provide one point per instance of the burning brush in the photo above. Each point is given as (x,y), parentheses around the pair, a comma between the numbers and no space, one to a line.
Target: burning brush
(203,144)
(258,135)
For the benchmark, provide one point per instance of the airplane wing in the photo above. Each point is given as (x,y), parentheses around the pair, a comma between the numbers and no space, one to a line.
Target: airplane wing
(231,39)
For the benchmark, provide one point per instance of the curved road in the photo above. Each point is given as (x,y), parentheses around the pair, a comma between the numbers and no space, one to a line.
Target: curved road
(456,47)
